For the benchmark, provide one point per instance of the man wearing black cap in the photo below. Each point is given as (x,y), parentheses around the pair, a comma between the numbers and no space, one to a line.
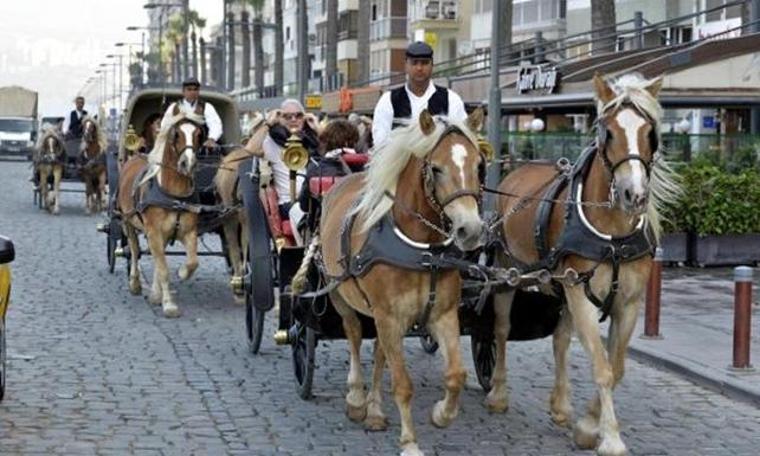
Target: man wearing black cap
(403,105)
(190,103)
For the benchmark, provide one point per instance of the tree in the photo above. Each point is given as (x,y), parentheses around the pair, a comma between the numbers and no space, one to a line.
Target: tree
(603,26)
(331,47)
(279,48)
(245,34)
(171,45)
(257,6)
(362,40)
(197,23)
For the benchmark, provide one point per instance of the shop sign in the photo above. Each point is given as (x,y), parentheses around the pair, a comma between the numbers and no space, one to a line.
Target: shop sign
(536,78)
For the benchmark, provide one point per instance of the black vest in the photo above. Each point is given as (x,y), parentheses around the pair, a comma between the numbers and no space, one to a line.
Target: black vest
(438,104)
(75,123)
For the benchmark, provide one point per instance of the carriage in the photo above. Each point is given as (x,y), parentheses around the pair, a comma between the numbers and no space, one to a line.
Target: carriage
(307,316)
(140,107)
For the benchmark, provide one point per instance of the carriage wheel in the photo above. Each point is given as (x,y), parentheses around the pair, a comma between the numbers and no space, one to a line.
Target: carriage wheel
(254,324)
(304,352)
(2,358)
(428,344)
(110,247)
(484,358)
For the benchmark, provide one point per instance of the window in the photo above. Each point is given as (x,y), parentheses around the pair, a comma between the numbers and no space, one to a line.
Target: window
(530,12)
(686,34)
(714,15)
(374,12)
(287,33)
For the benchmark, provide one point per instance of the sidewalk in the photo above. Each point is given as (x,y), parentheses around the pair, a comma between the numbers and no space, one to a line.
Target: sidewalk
(696,323)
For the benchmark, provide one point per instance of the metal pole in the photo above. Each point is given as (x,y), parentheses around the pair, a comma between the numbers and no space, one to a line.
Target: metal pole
(494,104)
(143,59)
(755,28)
(638,25)
(160,38)
(185,50)
(303,50)
(652,308)
(742,317)
(538,53)
(231,66)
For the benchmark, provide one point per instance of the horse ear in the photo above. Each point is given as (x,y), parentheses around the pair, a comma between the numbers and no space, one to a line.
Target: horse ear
(427,124)
(475,120)
(654,87)
(604,92)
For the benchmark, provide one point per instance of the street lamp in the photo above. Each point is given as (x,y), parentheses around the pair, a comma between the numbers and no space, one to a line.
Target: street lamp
(121,66)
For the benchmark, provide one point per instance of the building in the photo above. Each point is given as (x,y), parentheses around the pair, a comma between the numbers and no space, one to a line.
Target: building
(444,25)
(387,41)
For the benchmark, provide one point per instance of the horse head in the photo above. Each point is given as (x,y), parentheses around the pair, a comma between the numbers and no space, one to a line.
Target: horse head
(93,139)
(451,174)
(184,139)
(50,147)
(628,137)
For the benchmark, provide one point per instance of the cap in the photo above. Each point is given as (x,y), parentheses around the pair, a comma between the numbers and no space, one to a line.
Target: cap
(419,50)
(191,81)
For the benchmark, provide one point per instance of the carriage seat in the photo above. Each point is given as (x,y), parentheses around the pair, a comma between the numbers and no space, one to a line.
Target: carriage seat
(280,229)
(355,161)
(320,185)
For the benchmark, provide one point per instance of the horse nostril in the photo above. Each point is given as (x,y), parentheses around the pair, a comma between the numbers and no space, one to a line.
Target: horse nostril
(461,232)
(627,195)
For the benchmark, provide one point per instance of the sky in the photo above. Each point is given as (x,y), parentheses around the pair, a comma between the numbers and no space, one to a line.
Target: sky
(54,46)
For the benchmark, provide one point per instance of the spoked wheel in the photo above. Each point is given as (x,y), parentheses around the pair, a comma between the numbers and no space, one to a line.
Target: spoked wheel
(304,350)
(2,358)
(428,344)
(261,288)
(484,358)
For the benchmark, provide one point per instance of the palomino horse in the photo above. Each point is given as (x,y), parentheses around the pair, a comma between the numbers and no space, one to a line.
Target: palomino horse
(151,193)
(429,171)
(50,158)
(364,125)
(93,171)
(228,194)
(610,202)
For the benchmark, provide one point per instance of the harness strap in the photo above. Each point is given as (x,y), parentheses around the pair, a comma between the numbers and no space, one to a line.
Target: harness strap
(423,319)
(604,306)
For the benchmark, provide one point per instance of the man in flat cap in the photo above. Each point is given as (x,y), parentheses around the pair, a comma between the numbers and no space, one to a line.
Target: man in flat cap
(191,103)
(403,105)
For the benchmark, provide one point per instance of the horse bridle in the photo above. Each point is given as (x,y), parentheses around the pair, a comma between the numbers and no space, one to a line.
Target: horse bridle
(428,180)
(51,155)
(601,144)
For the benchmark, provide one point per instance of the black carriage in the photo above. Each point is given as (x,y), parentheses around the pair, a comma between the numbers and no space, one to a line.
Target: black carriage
(140,107)
(308,317)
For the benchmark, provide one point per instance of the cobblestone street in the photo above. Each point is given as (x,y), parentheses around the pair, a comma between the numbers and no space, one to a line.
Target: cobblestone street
(95,370)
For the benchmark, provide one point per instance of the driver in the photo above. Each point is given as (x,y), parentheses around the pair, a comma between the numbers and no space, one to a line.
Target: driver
(191,103)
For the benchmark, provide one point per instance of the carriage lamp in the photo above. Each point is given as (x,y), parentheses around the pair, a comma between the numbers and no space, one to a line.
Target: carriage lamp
(294,156)
(102,227)
(131,139)
(281,337)
(118,252)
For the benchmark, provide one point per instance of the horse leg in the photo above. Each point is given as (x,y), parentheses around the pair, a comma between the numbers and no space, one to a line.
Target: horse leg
(190,241)
(445,329)
(157,245)
(356,401)
(390,333)
(44,187)
(231,228)
(57,177)
(102,191)
(376,419)
(497,400)
(561,408)
(586,431)
(88,191)
(134,251)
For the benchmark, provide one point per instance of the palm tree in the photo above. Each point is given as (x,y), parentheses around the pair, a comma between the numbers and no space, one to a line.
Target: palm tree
(257,6)
(246,61)
(279,48)
(362,41)
(197,23)
(170,46)
(603,26)
(331,48)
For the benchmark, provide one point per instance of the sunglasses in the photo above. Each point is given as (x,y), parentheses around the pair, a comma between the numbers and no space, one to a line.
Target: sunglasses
(293,115)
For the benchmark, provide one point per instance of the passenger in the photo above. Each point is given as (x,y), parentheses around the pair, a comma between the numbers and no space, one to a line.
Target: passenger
(149,133)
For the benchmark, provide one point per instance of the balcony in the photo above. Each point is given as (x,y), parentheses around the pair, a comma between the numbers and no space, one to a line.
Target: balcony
(387,28)
(434,13)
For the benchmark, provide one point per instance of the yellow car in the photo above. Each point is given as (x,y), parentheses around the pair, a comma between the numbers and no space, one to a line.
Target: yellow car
(6,256)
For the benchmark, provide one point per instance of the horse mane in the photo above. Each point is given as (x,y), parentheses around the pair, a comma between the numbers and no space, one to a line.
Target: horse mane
(156,155)
(390,159)
(101,133)
(664,187)
(47,131)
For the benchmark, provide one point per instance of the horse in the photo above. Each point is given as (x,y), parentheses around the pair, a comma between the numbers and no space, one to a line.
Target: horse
(429,170)
(152,191)
(620,185)
(364,124)
(50,159)
(228,194)
(93,170)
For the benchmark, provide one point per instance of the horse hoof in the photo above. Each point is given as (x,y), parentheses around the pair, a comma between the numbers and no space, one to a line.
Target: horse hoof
(171,311)
(439,417)
(185,272)
(612,446)
(585,434)
(239,299)
(561,419)
(56,211)
(356,413)
(155,298)
(411,449)
(376,423)
(135,288)
(496,404)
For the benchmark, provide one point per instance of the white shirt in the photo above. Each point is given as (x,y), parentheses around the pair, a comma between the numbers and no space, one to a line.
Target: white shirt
(280,172)
(67,120)
(213,122)
(382,121)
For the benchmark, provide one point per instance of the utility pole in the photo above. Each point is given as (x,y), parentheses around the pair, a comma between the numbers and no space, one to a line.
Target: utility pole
(303,50)
(494,104)
(221,83)
(231,49)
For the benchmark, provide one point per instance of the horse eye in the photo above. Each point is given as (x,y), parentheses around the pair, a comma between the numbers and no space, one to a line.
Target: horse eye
(437,169)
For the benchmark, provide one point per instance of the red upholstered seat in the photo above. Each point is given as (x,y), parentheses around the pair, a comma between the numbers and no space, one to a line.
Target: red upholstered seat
(280,228)
(320,185)
(355,160)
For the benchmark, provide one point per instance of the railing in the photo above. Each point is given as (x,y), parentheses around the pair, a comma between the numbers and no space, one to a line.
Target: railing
(676,146)
(386,28)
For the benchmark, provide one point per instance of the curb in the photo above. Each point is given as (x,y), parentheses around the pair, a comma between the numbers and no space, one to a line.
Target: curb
(705,379)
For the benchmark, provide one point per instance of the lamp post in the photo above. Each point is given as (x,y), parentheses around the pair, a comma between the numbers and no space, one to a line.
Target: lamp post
(142,44)
(683,127)
(121,85)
